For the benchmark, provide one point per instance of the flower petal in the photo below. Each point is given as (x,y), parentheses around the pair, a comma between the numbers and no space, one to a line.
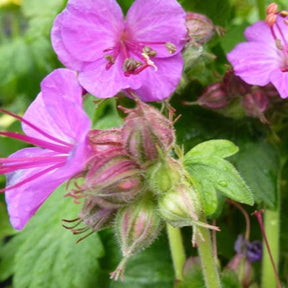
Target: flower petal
(254,61)
(260,32)
(103,83)
(89,27)
(58,109)
(23,201)
(157,21)
(57,42)
(160,84)
(280,80)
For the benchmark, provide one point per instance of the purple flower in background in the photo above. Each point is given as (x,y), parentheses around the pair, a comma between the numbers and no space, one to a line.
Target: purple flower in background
(58,125)
(252,250)
(141,53)
(264,57)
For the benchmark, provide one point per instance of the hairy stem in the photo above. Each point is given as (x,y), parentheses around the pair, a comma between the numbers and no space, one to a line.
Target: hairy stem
(208,262)
(177,250)
(272,230)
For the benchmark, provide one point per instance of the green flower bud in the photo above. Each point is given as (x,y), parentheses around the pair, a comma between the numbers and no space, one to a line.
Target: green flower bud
(180,206)
(137,226)
(164,175)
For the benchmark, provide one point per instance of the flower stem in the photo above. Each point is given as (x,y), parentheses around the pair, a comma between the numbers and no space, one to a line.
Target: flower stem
(271,228)
(177,250)
(261,9)
(208,262)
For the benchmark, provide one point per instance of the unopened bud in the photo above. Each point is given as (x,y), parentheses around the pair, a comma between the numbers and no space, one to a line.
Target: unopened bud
(103,142)
(214,97)
(200,28)
(164,175)
(94,215)
(180,206)
(146,133)
(255,104)
(116,179)
(137,226)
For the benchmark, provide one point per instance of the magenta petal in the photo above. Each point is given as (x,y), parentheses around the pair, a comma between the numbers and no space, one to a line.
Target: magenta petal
(57,42)
(280,80)
(154,21)
(89,27)
(160,84)
(58,109)
(256,31)
(253,62)
(104,83)
(24,201)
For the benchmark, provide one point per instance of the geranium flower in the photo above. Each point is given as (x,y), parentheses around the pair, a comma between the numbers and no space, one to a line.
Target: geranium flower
(264,57)
(58,125)
(141,53)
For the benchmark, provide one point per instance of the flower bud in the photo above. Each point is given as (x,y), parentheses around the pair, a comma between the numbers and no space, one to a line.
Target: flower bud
(180,206)
(96,216)
(200,28)
(137,226)
(146,133)
(164,175)
(255,104)
(117,179)
(214,97)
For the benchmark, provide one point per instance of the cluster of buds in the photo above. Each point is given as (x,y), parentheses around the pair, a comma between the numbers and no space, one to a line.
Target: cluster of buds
(254,100)
(132,183)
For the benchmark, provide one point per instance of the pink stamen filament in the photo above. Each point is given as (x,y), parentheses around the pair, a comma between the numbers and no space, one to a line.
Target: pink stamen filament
(34,127)
(37,142)
(30,163)
(33,177)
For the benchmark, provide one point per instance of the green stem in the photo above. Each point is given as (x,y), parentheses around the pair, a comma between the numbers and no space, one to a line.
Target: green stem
(261,9)
(208,262)
(272,229)
(177,250)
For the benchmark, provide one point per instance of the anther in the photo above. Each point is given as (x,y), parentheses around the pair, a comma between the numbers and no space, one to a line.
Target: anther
(270,19)
(130,64)
(170,47)
(272,8)
(148,51)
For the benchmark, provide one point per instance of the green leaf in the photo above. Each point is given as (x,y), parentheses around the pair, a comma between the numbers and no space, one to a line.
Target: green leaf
(222,175)
(7,256)
(259,163)
(219,148)
(48,255)
(5,226)
(211,173)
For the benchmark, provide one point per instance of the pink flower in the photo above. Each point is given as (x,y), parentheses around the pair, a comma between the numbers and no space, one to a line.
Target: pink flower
(264,57)
(58,125)
(141,53)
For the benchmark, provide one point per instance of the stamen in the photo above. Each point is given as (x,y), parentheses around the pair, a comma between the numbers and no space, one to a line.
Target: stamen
(170,47)
(37,142)
(33,177)
(34,127)
(31,164)
(130,64)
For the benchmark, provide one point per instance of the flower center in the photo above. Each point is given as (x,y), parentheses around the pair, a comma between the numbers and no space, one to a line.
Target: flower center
(136,56)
